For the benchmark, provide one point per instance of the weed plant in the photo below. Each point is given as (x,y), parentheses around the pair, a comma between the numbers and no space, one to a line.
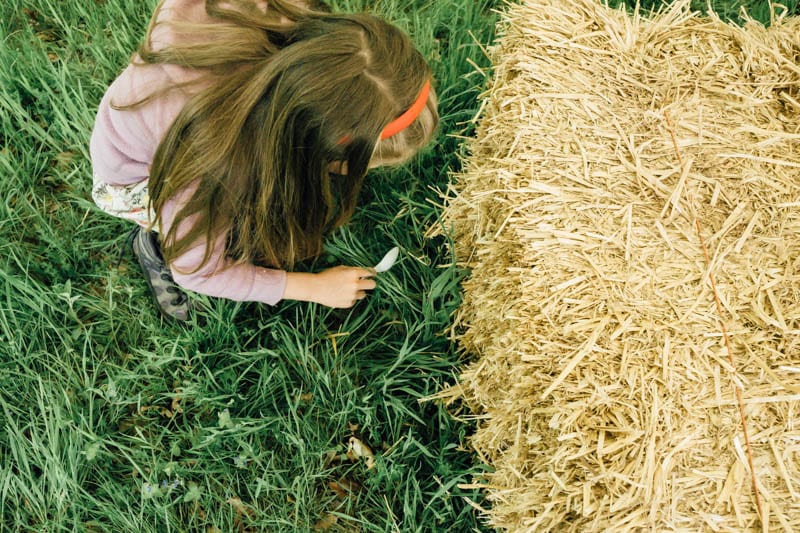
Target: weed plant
(115,420)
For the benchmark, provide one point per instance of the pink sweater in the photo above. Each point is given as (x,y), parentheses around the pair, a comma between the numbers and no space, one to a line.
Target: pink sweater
(122,147)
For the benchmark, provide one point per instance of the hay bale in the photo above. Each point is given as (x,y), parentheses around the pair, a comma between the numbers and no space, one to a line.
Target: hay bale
(610,149)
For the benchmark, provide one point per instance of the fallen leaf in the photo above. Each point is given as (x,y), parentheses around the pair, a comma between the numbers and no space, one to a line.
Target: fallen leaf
(176,401)
(326,522)
(335,487)
(356,449)
(239,506)
(343,487)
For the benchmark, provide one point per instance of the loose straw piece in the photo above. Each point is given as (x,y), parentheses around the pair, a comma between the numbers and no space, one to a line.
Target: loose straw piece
(587,347)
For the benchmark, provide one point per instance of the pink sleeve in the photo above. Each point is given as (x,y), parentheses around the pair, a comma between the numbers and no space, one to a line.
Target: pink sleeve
(220,276)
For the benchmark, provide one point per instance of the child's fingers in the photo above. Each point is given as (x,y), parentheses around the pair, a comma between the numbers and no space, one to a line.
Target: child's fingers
(366,284)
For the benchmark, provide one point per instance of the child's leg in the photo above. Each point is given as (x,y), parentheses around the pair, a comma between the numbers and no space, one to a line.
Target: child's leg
(131,203)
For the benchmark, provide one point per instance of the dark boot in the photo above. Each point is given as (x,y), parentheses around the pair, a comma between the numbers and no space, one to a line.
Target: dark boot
(171,300)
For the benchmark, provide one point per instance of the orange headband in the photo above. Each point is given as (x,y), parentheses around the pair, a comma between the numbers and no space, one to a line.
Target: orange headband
(408,118)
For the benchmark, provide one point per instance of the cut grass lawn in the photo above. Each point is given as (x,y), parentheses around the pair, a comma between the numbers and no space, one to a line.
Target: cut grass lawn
(117,421)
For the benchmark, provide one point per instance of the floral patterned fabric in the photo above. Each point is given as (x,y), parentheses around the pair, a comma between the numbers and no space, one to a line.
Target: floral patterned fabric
(125,201)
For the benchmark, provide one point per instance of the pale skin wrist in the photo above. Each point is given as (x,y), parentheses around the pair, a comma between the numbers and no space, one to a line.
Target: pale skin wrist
(300,286)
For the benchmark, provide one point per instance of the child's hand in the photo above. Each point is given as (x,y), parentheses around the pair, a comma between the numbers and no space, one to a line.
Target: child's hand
(343,286)
(340,286)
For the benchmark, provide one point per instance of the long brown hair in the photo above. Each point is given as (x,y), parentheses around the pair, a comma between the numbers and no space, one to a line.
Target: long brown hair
(293,90)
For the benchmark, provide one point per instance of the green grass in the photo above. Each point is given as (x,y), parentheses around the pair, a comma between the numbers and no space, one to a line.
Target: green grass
(117,421)
(730,10)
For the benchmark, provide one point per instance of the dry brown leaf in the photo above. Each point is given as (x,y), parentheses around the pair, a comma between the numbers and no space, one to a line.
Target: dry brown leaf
(344,487)
(356,449)
(335,487)
(240,507)
(326,522)
(176,401)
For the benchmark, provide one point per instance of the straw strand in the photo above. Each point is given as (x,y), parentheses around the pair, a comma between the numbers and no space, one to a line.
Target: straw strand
(737,388)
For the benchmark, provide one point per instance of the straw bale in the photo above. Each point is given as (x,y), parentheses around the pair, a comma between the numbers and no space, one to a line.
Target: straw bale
(600,378)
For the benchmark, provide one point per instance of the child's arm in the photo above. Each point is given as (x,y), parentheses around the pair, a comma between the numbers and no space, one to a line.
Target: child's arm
(223,277)
(340,286)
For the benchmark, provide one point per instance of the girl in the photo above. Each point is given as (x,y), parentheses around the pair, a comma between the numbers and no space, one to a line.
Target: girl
(240,136)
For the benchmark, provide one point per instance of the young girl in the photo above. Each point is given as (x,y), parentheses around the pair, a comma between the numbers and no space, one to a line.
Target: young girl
(240,136)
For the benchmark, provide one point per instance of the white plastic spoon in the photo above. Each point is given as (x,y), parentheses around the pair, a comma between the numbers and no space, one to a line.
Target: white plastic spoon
(388,260)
